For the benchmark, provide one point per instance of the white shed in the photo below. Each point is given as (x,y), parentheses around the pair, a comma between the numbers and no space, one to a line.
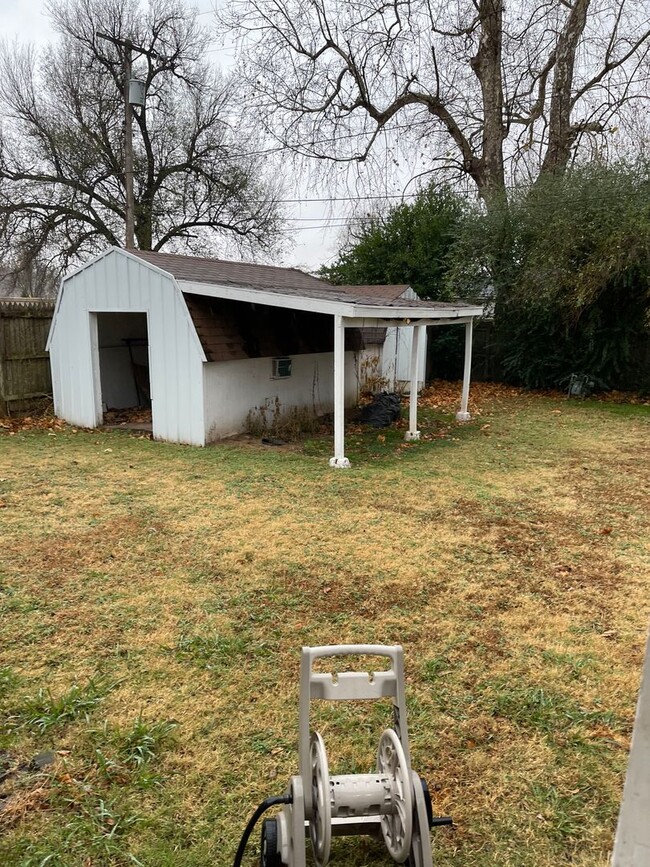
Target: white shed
(205,341)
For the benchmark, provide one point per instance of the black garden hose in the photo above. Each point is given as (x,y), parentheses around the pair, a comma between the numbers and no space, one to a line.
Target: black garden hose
(263,807)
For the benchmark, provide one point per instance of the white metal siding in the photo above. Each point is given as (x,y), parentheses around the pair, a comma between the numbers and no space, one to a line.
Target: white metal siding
(233,388)
(396,353)
(117,282)
(396,358)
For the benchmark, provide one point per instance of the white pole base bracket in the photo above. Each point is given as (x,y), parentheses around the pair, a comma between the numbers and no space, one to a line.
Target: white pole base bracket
(340,463)
(411,435)
(463,416)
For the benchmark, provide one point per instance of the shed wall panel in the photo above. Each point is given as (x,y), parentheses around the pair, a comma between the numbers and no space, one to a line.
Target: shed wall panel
(396,358)
(233,388)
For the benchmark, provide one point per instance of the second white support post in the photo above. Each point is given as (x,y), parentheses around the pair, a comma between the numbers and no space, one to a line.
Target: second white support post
(413,433)
(464,415)
(339,461)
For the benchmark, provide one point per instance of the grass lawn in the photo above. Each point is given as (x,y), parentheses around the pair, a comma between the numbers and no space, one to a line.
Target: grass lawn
(154,599)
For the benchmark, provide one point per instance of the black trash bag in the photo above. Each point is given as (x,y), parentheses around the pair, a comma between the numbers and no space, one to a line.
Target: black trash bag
(383,411)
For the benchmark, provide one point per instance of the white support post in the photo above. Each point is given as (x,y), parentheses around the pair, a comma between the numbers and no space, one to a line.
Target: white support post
(464,415)
(339,461)
(413,433)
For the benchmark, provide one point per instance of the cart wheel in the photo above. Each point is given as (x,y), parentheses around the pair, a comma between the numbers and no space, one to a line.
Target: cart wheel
(270,856)
(397,828)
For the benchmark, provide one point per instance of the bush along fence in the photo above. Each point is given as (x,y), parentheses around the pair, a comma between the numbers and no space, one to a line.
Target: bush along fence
(445,360)
(24,364)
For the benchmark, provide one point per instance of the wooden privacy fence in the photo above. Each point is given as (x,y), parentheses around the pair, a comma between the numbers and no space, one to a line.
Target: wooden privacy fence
(24,363)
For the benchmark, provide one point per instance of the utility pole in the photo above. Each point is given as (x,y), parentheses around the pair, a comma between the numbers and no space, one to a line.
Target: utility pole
(129,209)
(128,151)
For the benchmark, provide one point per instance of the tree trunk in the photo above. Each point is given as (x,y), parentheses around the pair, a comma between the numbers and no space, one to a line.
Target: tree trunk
(489,175)
(561,135)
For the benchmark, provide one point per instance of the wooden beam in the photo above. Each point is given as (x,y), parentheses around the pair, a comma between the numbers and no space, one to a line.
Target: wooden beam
(379,322)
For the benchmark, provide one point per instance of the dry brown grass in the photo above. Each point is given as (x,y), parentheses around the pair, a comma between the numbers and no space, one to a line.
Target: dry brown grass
(508,556)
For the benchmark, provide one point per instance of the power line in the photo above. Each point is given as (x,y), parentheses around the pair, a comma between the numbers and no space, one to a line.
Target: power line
(331,141)
(348,199)
(322,217)
(306,228)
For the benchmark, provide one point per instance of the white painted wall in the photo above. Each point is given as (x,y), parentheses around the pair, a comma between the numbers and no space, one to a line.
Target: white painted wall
(233,388)
(396,354)
(396,359)
(117,282)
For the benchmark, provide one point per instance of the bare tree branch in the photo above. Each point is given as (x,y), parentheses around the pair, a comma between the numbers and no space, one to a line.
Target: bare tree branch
(506,88)
(62,185)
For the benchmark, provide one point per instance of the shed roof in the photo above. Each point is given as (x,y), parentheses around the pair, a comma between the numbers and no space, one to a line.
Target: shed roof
(194,271)
(287,281)
(290,288)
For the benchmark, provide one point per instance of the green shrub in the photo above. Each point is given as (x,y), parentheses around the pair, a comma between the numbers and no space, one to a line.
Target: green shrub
(567,265)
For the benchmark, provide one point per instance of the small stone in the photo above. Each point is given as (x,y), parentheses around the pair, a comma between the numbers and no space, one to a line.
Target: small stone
(42,760)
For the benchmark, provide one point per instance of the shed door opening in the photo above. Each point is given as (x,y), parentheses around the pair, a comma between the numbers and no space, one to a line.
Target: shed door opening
(123,344)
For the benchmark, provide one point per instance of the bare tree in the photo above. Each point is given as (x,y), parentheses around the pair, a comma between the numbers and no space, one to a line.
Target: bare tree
(493,91)
(32,279)
(62,182)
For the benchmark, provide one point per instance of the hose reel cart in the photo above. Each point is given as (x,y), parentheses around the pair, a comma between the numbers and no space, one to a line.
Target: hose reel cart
(393,802)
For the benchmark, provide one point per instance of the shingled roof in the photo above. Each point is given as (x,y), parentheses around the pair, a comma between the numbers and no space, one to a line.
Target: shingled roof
(286,281)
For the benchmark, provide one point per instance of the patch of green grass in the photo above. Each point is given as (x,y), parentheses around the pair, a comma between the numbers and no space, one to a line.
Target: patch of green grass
(130,755)
(565,812)
(215,651)
(626,410)
(95,833)
(542,708)
(45,710)
(576,664)
(144,740)
(100,827)
(8,682)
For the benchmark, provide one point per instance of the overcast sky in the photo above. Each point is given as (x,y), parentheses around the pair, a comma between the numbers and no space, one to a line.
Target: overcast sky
(26,21)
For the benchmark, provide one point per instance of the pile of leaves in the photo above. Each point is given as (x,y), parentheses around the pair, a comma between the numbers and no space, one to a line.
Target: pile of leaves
(444,395)
(17,424)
